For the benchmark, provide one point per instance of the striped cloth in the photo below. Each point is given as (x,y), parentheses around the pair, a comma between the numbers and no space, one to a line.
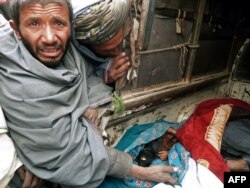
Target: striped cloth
(101,21)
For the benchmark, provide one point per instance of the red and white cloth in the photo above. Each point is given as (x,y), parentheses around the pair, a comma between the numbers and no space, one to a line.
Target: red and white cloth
(202,133)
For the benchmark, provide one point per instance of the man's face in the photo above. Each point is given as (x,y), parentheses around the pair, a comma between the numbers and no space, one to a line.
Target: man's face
(45,30)
(113,47)
(110,48)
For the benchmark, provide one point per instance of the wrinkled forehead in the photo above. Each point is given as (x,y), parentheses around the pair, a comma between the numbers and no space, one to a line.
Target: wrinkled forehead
(21,3)
(16,7)
(35,7)
(41,3)
(37,11)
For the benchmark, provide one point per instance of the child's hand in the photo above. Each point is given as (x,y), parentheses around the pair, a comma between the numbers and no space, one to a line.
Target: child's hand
(171,130)
(163,155)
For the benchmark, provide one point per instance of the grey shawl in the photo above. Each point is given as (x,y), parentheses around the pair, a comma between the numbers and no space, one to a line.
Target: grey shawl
(44,108)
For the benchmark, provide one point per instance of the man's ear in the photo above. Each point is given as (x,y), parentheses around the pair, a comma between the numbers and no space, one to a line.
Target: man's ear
(16,30)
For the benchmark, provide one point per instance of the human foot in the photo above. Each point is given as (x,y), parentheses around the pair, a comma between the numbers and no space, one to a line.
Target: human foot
(237,165)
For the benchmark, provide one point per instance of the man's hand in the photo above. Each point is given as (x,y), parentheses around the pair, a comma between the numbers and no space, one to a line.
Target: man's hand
(29,180)
(155,173)
(92,115)
(118,68)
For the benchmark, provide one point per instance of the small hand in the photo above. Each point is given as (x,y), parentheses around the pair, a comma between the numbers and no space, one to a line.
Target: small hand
(171,130)
(118,68)
(163,155)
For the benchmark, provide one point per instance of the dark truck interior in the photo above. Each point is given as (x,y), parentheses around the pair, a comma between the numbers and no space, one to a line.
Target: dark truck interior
(181,46)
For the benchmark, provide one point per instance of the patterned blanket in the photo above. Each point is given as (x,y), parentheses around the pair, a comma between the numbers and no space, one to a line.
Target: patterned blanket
(202,133)
(133,142)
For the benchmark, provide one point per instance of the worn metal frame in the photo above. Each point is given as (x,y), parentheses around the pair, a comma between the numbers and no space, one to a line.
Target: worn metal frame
(149,95)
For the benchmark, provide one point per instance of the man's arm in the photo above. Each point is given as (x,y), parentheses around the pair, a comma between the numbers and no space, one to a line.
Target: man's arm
(121,165)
